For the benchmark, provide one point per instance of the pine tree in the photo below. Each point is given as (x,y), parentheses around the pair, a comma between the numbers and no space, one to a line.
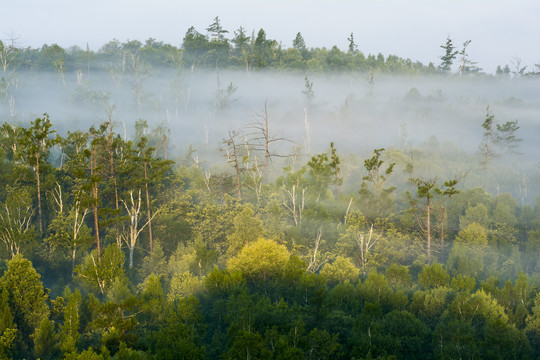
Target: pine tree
(449,56)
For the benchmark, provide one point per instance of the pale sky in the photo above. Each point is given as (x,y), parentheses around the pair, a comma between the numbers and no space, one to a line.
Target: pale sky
(501,31)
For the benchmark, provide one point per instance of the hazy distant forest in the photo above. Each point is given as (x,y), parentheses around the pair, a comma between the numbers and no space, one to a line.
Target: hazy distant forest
(234,198)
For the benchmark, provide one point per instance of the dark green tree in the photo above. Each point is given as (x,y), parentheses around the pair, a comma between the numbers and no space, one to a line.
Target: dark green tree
(69,330)
(216,30)
(27,300)
(46,340)
(8,329)
(375,197)
(449,55)
(300,45)
(101,274)
(36,142)
(242,47)
(353,48)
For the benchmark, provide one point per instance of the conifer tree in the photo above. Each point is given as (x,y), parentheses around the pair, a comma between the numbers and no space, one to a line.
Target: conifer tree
(449,56)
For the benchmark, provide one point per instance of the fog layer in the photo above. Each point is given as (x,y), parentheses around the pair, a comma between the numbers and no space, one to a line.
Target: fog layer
(358,112)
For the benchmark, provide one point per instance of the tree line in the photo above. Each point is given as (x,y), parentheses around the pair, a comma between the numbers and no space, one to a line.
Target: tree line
(241,49)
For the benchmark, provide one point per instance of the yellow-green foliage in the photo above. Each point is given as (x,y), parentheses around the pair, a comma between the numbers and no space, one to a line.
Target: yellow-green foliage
(340,270)
(184,284)
(262,259)
(472,234)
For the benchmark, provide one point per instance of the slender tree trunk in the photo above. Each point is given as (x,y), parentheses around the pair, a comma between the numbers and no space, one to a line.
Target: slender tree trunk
(73,258)
(95,202)
(267,140)
(428,230)
(337,182)
(150,237)
(96,223)
(112,174)
(236,166)
(131,251)
(443,219)
(165,146)
(40,216)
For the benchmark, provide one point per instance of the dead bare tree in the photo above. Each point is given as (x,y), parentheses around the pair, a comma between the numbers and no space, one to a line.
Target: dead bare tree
(8,51)
(253,170)
(15,220)
(314,265)
(295,206)
(365,244)
(75,219)
(232,155)
(261,140)
(133,208)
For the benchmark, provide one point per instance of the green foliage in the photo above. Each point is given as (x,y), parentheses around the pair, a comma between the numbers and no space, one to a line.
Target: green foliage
(466,260)
(463,283)
(472,235)
(454,338)
(323,345)
(398,276)
(182,334)
(8,330)
(262,260)
(27,298)
(184,284)
(498,138)
(247,229)
(433,276)
(101,274)
(320,174)
(401,334)
(376,198)
(478,214)
(449,55)
(226,291)
(340,270)
(69,330)
(375,288)
(46,340)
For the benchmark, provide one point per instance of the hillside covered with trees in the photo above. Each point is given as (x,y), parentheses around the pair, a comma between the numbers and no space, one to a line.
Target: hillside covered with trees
(153,214)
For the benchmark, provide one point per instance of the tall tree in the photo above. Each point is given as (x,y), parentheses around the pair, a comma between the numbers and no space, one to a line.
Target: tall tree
(353,48)
(216,30)
(154,171)
(300,45)
(320,174)
(335,161)
(97,156)
(8,52)
(449,55)
(498,136)
(242,46)
(8,329)
(429,195)
(36,143)
(232,151)
(489,138)
(27,299)
(261,140)
(466,66)
(374,194)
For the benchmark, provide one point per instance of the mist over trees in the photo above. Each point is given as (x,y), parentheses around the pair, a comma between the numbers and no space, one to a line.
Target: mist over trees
(235,198)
